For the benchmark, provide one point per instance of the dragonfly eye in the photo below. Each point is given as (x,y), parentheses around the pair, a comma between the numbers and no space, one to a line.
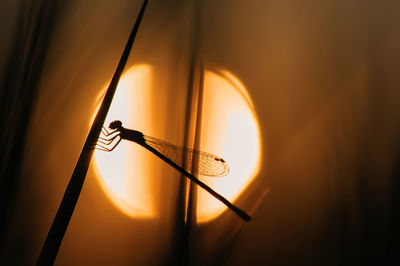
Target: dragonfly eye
(115,124)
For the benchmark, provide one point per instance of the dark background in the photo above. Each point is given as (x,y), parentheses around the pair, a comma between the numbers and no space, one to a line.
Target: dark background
(323,76)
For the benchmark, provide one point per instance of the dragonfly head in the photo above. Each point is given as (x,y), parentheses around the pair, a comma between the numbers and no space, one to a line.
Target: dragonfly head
(115,124)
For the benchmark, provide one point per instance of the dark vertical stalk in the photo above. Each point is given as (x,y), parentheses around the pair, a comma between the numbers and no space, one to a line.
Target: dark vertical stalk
(60,223)
(181,248)
(181,234)
(192,200)
(192,204)
(192,194)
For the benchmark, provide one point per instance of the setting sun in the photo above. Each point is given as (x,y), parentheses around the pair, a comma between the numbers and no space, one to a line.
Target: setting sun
(123,173)
(229,130)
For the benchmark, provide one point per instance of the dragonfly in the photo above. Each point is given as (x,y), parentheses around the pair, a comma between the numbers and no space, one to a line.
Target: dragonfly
(188,162)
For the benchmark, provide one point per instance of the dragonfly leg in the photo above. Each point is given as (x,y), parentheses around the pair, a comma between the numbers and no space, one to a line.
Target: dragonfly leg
(106,132)
(109,136)
(112,147)
(109,140)
(103,146)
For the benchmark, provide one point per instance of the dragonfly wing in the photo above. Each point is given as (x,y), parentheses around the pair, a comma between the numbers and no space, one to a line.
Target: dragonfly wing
(208,164)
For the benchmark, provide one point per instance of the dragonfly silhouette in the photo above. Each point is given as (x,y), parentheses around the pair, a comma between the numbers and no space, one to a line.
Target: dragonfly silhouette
(180,158)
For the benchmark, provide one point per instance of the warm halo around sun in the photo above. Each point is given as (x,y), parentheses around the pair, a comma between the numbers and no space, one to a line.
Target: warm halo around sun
(123,172)
(229,129)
